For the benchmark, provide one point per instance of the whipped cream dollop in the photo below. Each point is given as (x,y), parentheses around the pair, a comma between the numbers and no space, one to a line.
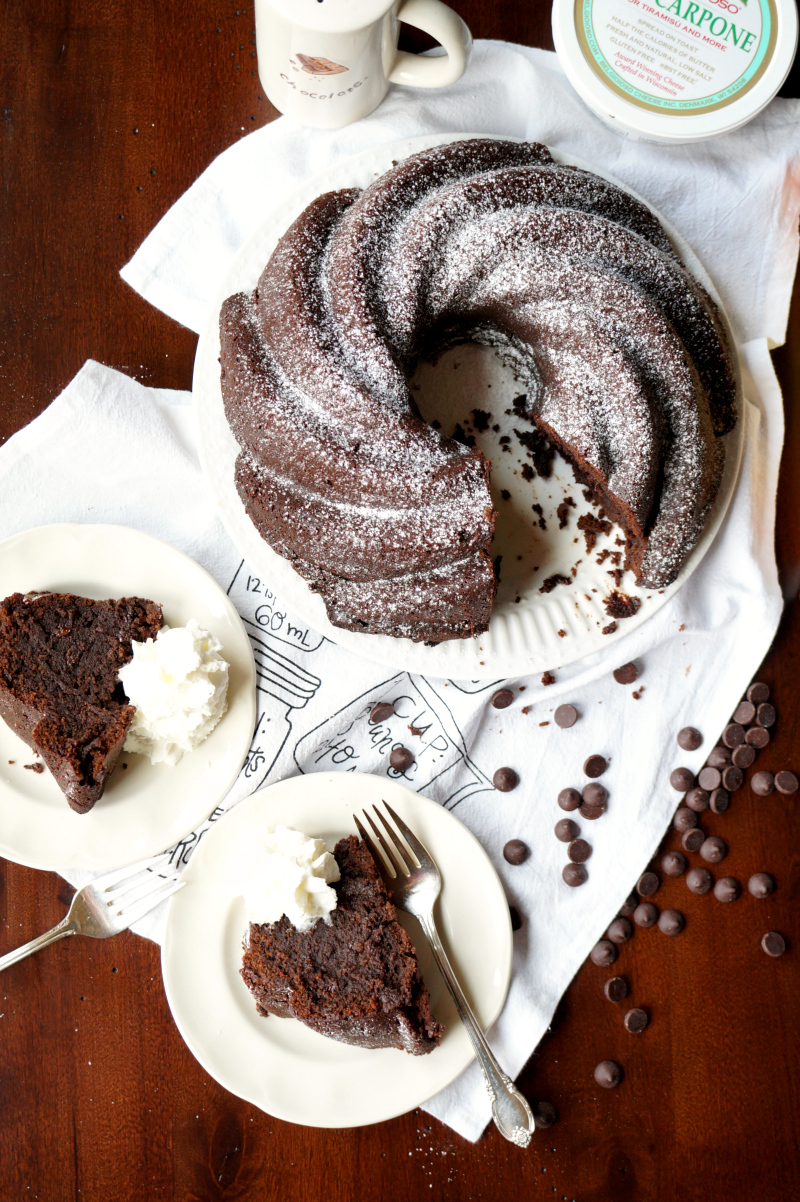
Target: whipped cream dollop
(287,872)
(179,685)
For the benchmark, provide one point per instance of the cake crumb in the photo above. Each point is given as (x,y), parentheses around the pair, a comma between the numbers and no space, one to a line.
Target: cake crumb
(562,634)
(681,627)
(610,628)
(544,723)
(552,581)
(619,605)
(415,730)
(526,709)
(548,678)
(36,768)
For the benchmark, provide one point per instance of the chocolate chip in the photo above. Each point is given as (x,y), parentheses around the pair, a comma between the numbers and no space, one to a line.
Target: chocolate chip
(761,885)
(502,699)
(699,880)
(595,795)
(710,778)
(565,716)
(516,918)
(786,783)
(727,889)
(635,1021)
(732,778)
(574,875)
(673,863)
(544,1115)
(733,735)
(619,931)
(671,922)
(773,944)
(504,779)
(516,852)
(744,713)
(744,755)
(595,765)
(616,989)
(689,738)
(714,849)
(627,674)
(684,819)
(757,736)
(720,800)
(648,884)
(608,1074)
(681,779)
(579,852)
(567,830)
(381,712)
(720,757)
(603,953)
(401,758)
(693,840)
(762,783)
(569,799)
(645,914)
(698,799)
(765,715)
(591,813)
(629,905)
(758,692)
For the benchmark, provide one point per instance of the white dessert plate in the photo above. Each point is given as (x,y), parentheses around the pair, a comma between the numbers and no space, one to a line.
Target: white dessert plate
(146,807)
(279,1064)
(529,631)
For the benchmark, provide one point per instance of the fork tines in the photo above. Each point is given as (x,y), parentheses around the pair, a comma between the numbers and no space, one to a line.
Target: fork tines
(402,860)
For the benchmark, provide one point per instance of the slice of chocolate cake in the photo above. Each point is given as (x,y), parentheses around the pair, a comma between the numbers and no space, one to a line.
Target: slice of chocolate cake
(60,658)
(356,980)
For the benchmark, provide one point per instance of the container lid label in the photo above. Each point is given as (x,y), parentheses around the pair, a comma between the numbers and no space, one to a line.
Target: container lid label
(678,57)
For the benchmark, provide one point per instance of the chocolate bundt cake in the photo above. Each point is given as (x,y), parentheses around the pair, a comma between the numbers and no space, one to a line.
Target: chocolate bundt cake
(60,658)
(624,358)
(356,980)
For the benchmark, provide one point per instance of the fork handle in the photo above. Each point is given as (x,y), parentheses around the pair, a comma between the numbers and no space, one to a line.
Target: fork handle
(65,927)
(511,1113)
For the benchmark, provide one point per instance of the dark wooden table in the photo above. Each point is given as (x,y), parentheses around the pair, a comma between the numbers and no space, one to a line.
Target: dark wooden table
(110,111)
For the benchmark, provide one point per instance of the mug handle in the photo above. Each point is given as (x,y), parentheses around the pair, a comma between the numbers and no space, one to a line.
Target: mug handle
(435,18)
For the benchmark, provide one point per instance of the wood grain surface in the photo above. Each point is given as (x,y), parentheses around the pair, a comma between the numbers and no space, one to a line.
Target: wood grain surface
(110,110)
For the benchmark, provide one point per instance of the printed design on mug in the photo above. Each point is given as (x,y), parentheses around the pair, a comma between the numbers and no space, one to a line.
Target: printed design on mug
(319,66)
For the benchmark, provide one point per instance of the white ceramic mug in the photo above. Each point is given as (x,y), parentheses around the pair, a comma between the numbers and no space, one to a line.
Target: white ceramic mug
(327,63)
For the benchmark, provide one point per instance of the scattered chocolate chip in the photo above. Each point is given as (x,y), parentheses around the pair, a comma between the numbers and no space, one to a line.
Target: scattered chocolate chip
(698,799)
(608,1074)
(714,849)
(681,779)
(516,918)
(381,712)
(504,779)
(595,765)
(684,819)
(544,1115)
(689,738)
(401,758)
(671,922)
(516,852)
(733,735)
(627,674)
(616,989)
(645,914)
(565,716)
(673,863)
(592,813)
(648,884)
(579,852)
(619,931)
(744,713)
(786,783)
(603,953)
(709,778)
(720,800)
(636,1020)
(569,799)
(567,830)
(758,692)
(574,875)
(719,757)
(594,795)
(502,699)
(773,944)
(699,880)
(762,783)
(732,778)
(693,840)
(628,906)
(727,889)
(757,736)
(761,885)
(765,715)
(743,755)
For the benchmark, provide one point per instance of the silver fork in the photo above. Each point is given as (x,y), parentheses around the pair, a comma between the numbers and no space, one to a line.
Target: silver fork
(106,906)
(414,888)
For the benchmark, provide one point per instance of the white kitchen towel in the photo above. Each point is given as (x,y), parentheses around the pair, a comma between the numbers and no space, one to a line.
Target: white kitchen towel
(696,655)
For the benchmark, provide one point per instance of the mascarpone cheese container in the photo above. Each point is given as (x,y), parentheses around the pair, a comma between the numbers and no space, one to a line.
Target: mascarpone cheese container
(674,71)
